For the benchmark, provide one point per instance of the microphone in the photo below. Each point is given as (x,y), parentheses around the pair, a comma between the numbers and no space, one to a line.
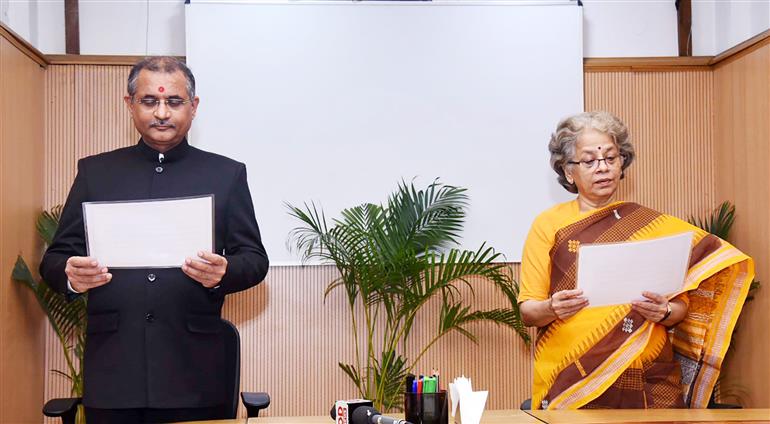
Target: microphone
(342,410)
(369,415)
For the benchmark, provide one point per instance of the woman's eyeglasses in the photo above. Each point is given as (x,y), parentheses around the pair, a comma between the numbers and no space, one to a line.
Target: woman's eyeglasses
(590,164)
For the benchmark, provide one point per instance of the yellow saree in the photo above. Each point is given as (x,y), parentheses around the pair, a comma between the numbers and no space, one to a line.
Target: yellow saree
(611,356)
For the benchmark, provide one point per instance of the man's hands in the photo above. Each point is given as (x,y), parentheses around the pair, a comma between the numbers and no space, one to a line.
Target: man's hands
(84,273)
(208,273)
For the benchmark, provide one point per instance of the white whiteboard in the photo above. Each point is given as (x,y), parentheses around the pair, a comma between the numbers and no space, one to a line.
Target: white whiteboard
(338,102)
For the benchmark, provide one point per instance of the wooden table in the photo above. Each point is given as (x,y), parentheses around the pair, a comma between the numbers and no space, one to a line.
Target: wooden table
(490,417)
(653,416)
(569,417)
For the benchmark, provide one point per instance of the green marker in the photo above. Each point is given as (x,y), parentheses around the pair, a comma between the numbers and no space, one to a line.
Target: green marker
(429,385)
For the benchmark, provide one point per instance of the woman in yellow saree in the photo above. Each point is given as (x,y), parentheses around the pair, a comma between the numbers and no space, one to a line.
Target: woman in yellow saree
(663,352)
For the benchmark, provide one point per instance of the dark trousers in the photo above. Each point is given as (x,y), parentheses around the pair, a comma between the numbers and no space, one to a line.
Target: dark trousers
(150,415)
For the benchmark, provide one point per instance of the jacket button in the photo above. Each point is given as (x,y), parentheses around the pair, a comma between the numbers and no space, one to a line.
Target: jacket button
(149,317)
(158,169)
(151,277)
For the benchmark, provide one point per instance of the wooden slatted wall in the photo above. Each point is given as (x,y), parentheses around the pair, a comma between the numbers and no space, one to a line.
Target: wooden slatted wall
(670,121)
(742,140)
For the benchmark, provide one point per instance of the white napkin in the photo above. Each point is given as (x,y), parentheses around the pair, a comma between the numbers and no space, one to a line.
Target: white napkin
(471,403)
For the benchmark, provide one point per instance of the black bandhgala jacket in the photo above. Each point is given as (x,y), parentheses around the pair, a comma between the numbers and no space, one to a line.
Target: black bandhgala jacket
(154,335)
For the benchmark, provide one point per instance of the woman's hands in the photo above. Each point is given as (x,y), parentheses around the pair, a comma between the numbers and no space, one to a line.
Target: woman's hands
(656,309)
(566,303)
(561,305)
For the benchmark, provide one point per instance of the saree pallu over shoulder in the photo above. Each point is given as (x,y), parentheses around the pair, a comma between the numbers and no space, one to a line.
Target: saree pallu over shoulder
(579,359)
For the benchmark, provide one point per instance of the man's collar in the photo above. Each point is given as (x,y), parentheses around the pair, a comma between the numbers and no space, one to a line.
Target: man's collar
(176,153)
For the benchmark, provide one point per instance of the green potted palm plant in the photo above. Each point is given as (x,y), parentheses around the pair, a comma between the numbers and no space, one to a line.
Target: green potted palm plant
(67,317)
(393,259)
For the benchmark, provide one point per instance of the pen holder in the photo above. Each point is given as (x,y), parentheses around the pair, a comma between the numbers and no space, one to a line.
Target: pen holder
(426,408)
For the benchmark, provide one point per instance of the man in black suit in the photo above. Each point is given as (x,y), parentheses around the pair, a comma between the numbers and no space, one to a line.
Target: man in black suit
(154,350)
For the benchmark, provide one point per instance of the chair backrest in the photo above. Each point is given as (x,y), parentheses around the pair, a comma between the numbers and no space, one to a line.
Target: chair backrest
(232,369)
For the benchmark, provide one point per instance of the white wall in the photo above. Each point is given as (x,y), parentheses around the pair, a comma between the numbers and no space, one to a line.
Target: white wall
(118,27)
(131,27)
(41,22)
(612,28)
(109,27)
(719,25)
(631,28)
(703,34)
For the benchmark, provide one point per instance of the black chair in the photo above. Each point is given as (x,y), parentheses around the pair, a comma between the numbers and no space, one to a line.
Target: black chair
(66,408)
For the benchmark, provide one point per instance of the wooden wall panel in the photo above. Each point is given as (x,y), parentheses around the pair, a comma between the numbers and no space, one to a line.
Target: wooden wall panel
(742,140)
(59,158)
(670,122)
(22,339)
(59,173)
(85,115)
(102,122)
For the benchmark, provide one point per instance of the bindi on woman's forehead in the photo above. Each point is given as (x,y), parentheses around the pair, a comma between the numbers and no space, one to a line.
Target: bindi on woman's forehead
(161,89)
(600,147)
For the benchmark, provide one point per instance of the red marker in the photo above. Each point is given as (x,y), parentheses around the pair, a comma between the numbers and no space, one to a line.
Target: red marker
(161,89)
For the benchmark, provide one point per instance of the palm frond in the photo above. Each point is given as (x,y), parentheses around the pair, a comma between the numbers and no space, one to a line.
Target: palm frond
(429,219)
(62,374)
(67,318)
(753,287)
(308,238)
(389,374)
(22,274)
(353,374)
(47,223)
(717,222)
(452,317)
(456,317)
(457,266)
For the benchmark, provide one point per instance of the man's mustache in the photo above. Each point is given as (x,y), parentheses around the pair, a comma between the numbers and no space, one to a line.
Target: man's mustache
(162,124)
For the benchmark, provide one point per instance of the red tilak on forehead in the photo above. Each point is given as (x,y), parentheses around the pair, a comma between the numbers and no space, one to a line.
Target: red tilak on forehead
(161,89)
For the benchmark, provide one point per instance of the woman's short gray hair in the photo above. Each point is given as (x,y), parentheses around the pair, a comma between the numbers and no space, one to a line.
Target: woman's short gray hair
(564,140)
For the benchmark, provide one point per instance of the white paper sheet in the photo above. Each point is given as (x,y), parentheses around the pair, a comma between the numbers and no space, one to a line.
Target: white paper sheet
(617,273)
(149,234)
